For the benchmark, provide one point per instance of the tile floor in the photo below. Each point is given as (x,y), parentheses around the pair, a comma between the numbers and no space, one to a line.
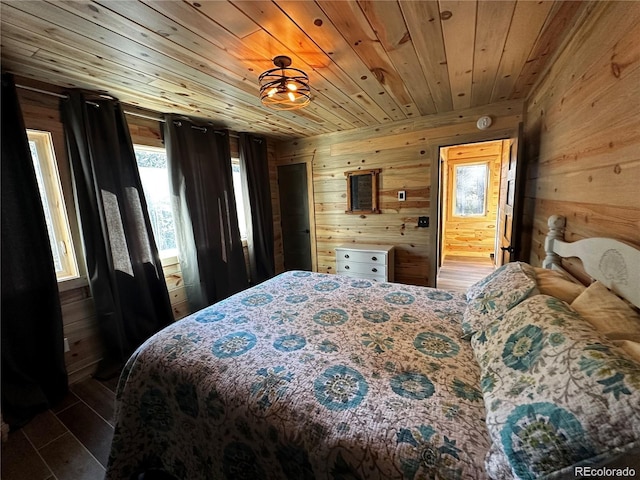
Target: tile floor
(68,442)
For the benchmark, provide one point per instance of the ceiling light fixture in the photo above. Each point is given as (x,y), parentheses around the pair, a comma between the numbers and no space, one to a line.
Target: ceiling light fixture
(284,88)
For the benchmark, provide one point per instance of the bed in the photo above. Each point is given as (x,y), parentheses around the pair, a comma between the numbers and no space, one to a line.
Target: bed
(316,376)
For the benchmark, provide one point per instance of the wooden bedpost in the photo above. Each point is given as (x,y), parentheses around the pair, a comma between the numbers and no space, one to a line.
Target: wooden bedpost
(556,225)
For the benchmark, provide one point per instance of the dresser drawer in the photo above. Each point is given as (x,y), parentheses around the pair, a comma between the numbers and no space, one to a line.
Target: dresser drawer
(367,261)
(361,257)
(374,277)
(347,266)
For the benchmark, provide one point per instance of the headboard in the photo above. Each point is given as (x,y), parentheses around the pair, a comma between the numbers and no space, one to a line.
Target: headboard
(613,263)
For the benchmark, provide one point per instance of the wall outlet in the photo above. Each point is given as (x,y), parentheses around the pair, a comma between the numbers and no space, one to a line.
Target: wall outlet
(402,196)
(423,221)
(66,345)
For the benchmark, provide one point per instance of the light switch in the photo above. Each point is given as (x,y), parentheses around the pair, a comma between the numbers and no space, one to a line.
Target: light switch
(402,196)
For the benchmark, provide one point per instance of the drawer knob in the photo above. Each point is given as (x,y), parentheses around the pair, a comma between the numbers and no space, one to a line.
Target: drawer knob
(346,255)
(346,267)
(374,270)
(374,258)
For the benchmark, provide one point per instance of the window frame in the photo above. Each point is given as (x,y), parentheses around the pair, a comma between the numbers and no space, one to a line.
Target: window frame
(453,190)
(49,181)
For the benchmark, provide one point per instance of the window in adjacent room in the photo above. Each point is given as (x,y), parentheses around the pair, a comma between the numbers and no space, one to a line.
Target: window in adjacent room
(470,190)
(154,175)
(237,190)
(55,213)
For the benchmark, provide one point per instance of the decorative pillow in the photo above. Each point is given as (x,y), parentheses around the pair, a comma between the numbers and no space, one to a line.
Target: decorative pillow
(558,394)
(607,312)
(490,298)
(557,284)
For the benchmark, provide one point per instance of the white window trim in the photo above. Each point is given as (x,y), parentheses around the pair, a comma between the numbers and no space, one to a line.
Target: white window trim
(52,186)
(169,261)
(72,283)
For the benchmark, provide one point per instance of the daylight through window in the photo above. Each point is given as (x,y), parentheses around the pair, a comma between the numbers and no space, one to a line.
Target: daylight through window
(237,190)
(46,169)
(154,175)
(470,190)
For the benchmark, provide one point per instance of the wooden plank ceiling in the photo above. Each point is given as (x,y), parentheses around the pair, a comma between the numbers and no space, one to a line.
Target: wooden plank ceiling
(369,62)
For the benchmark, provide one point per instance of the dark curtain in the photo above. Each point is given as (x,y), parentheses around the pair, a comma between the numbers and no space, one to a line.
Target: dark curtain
(201,182)
(123,266)
(254,170)
(33,369)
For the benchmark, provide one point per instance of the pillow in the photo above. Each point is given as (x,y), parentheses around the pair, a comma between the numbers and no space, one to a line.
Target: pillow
(607,312)
(558,394)
(631,348)
(477,288)
(557,284)
(490,298)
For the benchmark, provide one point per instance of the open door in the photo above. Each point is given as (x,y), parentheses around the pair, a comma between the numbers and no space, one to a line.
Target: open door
(511,202)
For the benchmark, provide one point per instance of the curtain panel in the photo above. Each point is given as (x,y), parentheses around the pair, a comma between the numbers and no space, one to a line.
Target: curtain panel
(201,183)
(254,170)
(34,376)
(123,266)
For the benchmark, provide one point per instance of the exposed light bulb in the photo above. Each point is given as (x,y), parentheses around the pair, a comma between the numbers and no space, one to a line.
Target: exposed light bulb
(284,88)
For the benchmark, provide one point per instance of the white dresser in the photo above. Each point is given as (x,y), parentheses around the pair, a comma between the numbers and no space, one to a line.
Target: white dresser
(373,262)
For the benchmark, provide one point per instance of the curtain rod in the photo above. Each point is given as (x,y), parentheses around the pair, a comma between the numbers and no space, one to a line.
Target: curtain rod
(33,89)
(135,114)
(59,95)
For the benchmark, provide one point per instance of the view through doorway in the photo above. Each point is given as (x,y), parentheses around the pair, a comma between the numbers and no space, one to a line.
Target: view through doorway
(477,194)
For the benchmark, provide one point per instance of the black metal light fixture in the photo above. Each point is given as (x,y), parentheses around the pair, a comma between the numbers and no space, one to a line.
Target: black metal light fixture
(284,87)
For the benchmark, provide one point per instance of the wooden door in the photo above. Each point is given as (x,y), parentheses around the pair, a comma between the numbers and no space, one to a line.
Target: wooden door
(511,199)
(294,212)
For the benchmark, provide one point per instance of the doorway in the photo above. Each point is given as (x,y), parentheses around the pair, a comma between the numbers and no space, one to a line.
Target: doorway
(473,196)
(294,214)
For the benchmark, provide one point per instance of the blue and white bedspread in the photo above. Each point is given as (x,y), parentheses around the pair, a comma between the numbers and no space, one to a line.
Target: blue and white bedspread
(307,376)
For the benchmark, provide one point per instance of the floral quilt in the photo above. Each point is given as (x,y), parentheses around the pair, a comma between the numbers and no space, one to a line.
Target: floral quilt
(307,376)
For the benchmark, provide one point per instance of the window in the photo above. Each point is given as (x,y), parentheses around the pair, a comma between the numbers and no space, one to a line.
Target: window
(55,213)
(154,175)
(237,190)
(470,190)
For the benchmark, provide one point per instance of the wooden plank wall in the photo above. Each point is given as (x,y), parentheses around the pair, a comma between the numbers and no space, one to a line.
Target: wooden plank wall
(582,132)
(406,152)
(275,206)
(472,236)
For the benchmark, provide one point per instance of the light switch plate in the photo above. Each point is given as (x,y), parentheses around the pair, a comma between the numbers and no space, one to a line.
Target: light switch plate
(402,195)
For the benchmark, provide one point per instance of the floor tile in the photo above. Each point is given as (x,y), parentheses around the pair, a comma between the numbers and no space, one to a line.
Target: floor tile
(111,384)
(66,402)
(98,397)
(43,429)
(88,427)
(69,460)
(20,460)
